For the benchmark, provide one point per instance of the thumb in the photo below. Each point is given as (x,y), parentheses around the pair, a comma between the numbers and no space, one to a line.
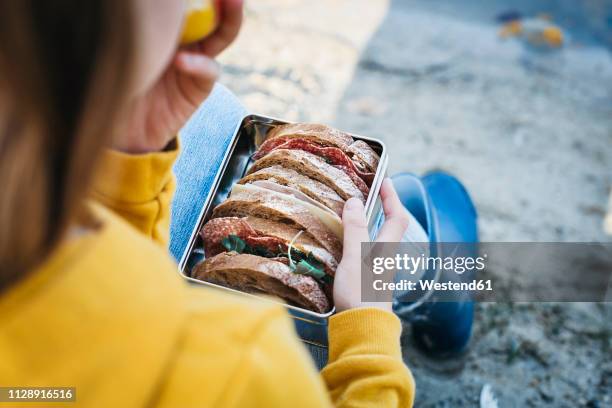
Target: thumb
(355,228)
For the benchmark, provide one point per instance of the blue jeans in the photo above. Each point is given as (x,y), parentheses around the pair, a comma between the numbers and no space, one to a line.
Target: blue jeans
(204,140)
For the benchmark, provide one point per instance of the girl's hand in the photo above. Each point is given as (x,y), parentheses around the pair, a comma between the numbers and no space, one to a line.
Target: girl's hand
(156,117)
(347,283)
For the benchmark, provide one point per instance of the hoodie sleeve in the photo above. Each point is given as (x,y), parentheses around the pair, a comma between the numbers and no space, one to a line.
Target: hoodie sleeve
(139,188)
(365,365)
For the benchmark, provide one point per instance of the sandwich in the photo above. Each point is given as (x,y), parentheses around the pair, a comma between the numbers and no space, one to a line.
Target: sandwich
(267,238)
(248,199)
(288,250)
(337,148)
(315,168)
(293,180)
(279,232)
(306,264)
(256,274)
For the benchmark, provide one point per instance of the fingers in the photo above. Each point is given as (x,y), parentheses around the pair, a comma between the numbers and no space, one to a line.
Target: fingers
(396,216)
(355,228)
(197,65)
(230,21)
(390,200)
(200,73)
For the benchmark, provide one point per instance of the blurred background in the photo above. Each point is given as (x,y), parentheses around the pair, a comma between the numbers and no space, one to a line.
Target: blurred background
(513,98)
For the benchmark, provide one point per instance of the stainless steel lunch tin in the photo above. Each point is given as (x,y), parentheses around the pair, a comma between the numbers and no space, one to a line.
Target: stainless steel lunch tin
(248,136)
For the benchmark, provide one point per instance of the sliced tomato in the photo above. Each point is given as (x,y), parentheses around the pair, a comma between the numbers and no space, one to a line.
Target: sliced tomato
(269,145)
(217,229)
(273,245)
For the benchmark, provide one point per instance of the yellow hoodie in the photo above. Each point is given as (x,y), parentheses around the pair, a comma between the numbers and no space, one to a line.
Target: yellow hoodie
(108,314)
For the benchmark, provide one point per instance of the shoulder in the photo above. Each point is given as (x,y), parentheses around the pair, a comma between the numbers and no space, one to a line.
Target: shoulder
(126,244)
(130,265)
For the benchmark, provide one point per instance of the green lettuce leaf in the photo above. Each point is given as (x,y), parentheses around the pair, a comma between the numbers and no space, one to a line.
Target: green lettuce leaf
(303,267)
(305,264)
(234,243)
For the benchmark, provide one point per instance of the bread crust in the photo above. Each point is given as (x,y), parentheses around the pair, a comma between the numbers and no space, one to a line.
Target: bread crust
(254,274)
(361,152)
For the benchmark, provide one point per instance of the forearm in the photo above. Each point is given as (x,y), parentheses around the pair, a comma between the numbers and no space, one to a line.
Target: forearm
(139,188)
(365,363)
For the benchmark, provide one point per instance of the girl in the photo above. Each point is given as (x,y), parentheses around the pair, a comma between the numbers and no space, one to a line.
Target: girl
(92,97)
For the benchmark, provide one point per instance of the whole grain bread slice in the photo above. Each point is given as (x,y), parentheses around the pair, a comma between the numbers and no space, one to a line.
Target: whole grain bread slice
(361,152)
(313,167)
(309,186)
(267,204)
(254,274)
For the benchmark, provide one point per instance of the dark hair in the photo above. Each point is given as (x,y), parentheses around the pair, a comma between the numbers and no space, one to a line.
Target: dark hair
(65,66)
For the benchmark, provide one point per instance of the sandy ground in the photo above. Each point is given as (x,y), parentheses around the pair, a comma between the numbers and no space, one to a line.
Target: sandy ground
(529,133)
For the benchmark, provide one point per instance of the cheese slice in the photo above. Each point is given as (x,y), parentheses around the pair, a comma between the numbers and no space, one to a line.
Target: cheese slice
(269,185)
(328,218)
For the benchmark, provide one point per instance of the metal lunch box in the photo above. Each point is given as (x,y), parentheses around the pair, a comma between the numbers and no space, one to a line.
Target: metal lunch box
(248,136)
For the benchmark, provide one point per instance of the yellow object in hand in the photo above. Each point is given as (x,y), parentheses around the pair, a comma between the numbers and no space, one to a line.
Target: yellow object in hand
(200,20)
